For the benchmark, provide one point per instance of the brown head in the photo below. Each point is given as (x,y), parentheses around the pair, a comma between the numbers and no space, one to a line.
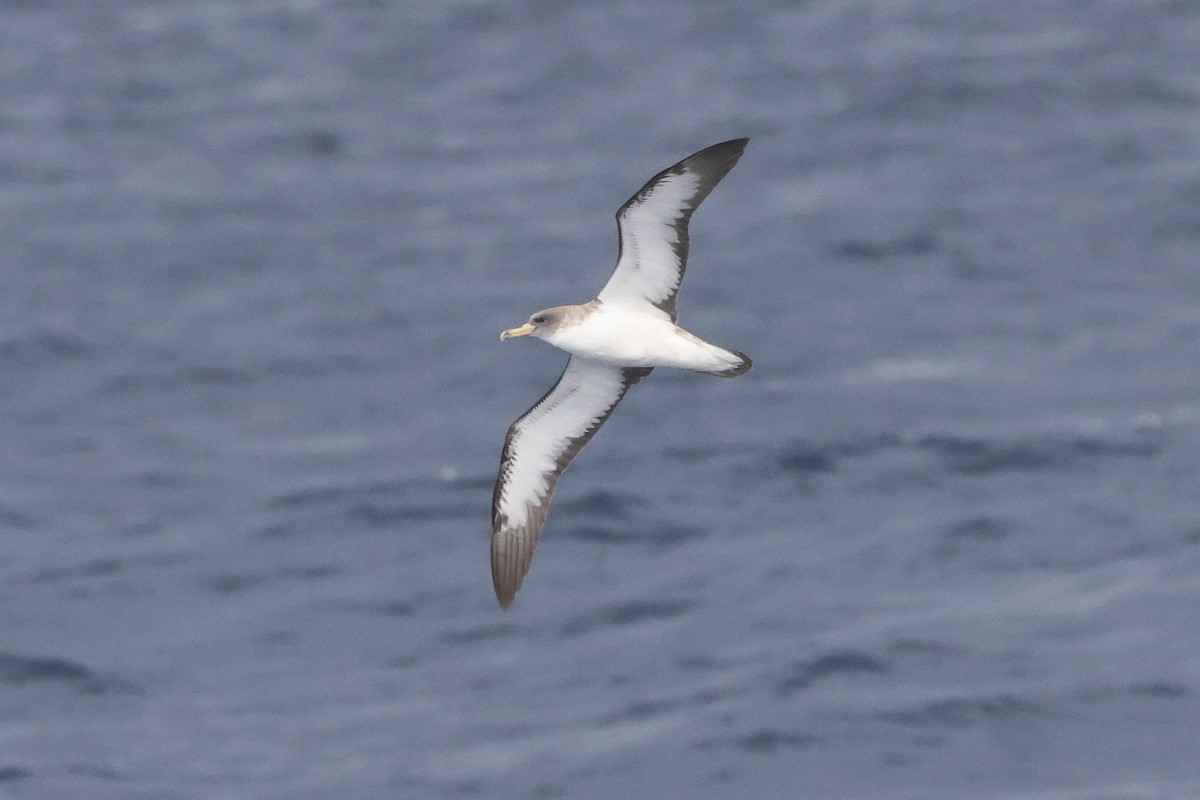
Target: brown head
(544,322)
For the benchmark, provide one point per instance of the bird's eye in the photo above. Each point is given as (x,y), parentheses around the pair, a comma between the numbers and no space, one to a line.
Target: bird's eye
(539,319)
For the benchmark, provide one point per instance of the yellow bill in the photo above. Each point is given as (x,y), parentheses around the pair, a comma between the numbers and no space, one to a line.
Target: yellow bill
(513,333)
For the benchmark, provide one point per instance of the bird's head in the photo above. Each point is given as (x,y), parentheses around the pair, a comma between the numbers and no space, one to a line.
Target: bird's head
(541,323)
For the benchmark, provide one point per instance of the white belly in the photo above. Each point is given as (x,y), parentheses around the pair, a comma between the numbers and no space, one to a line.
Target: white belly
(626,338)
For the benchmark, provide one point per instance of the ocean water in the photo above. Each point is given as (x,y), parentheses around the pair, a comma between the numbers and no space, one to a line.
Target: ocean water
(942,542)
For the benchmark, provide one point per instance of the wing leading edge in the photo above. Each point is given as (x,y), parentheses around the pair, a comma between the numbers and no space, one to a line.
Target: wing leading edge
(652,228)
(539,446)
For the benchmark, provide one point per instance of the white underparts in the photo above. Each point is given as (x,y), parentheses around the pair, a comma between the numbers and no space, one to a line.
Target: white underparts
(624,337)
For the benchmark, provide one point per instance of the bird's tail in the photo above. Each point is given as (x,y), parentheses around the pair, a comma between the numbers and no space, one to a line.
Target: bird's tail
(739,364)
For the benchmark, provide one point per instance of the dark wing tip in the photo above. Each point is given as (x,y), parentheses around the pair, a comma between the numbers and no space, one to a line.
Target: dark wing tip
(718,159)
(712,163)
(505,578)
(737,145)
(506,584)
(512,554)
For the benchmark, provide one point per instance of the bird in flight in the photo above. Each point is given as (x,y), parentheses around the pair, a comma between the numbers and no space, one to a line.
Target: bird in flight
(614,340)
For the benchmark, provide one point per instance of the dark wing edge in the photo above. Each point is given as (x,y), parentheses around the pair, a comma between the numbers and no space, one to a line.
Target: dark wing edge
(512,546)
(711,164)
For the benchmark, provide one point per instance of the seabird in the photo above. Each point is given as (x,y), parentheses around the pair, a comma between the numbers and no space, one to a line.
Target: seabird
(614,341)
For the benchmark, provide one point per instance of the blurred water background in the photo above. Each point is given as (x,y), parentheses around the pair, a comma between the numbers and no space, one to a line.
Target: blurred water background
(942,542)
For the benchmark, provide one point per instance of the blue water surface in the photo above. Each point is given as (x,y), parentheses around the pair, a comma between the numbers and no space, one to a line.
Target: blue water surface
(942,542)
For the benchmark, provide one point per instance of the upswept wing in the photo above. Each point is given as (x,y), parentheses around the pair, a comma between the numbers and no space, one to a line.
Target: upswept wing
(653,228)
(539,446)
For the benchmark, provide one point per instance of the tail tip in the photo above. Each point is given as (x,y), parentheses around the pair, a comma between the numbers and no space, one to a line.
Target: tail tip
(741,368)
